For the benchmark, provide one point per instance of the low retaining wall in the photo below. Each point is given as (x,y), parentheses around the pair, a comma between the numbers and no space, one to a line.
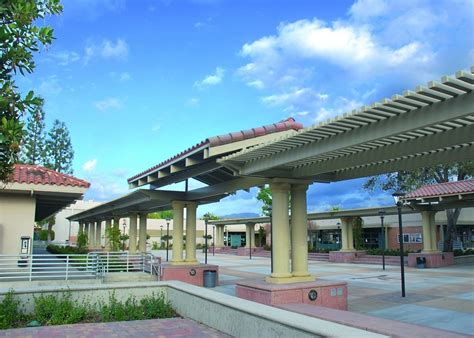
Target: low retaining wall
(234,316)
(464,259)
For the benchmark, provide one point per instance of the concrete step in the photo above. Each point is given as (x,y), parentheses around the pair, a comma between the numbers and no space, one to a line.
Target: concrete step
(120,277)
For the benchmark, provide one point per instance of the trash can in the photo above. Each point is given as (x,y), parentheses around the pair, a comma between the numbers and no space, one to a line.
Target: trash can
(210,278)
(420,262)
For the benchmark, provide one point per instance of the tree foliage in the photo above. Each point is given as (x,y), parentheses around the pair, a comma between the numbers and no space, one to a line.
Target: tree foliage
(210,216)
(33,148)
(59,152)
(165,214)
(20,37)
(265,196)
(410,180)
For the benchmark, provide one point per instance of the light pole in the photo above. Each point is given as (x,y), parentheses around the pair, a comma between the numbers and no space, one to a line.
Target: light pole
(213,240)
(250,238)
(161,235)
(382,215)
(167,236)
(123,236)
(270,210)
(398,195)
(205,238)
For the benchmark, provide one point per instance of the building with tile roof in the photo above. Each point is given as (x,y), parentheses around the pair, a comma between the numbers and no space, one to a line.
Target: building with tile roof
(33,194)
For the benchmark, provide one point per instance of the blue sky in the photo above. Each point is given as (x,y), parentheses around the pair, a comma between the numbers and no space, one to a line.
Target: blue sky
(139,81)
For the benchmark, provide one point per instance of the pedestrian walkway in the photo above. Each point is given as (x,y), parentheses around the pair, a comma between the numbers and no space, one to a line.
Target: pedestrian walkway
(162,328)
(441,298)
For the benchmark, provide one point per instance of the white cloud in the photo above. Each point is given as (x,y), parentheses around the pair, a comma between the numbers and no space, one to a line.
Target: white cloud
(367,9)
(107,49)
(212,79)
(65,58)
(117,50)
(122,77)
(194,101)
(50,86)
(90,165)
(108,103)
(105,187)
(295,96)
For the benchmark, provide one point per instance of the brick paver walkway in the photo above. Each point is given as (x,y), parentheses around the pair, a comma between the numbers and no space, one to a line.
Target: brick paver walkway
(160,328)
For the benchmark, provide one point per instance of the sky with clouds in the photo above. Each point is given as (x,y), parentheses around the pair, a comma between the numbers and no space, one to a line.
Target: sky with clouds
(139,81)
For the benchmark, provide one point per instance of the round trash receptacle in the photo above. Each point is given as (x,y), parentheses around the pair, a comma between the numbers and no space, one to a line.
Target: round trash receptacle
(210,278)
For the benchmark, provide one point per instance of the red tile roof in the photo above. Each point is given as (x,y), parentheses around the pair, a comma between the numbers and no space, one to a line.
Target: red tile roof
(35,174)
(284,125)
(443,189)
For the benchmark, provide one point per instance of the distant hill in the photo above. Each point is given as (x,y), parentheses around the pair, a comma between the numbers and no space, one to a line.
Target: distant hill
(240,215)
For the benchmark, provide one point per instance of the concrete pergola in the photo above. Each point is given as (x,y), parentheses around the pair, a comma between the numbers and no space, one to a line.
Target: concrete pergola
(425,127)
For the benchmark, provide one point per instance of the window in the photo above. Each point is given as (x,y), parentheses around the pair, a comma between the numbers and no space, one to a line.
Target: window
(411,238)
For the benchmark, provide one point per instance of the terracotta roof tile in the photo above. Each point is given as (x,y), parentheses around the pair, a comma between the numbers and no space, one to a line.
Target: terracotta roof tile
(288,124)
(35,174)
(442,189)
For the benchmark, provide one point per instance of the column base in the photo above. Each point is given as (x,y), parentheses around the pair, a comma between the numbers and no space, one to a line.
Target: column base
(188,273)
(182,262)
(430,259)
(244,251)
(345,256)
(289,280)
(327,294)
(191,261)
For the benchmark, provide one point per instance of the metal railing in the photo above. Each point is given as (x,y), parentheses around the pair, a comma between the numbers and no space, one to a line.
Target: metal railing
(66,267)
(41,267)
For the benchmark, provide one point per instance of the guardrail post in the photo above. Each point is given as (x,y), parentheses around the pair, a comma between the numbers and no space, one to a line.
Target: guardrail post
(67,266)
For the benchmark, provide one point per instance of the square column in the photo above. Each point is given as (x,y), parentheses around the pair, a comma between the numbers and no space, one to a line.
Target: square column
(191,233)
(142,233)
(248,235)
(299,232)
(281,233)
(347,238)
(429,231)
(108,226)
(116,230)
(90,234)
(178,208)
(132,234)
(219,240)
(98,231)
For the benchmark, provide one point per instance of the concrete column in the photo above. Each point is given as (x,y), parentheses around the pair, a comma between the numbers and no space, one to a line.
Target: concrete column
(299,231)
(441,233)
(219,236)
(250,235)
(281,231)
(177,232)
(142,233)
(347,243)
(116,226)
(108,225)
(350,234)
(427,218)
(191,232)
(132,234)
(434,242)
(98,232)
(90,234)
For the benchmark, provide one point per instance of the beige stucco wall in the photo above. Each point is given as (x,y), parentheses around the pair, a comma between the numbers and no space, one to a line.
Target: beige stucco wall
(17,214)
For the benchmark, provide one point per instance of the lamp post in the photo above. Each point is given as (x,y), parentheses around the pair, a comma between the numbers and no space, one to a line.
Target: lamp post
(123,235)
(167,236)
(382,215)
(161,235)
(213,240)
(398,196)
(270,210)
(205,238)
(250,238)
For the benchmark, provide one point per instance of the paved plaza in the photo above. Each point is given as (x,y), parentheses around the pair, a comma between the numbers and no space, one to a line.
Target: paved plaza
(441,298)
(159,328)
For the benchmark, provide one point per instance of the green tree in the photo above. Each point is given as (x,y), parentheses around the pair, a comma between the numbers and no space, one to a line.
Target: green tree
(410,180)
(50,221)
(265,196)
(161,214)
(210,216)
(59,152)
(82,239)
(113,234)
(261,235)
(33,148)
(20,37)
